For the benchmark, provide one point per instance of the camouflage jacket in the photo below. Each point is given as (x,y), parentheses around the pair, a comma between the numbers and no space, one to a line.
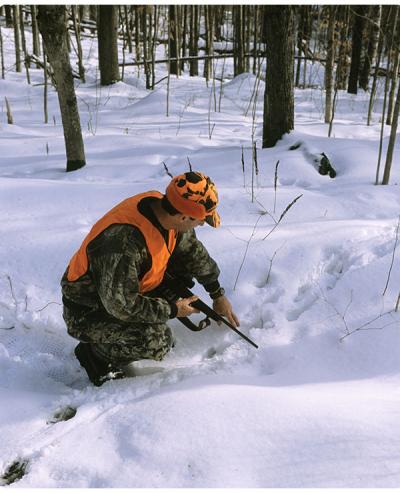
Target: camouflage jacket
(118,259)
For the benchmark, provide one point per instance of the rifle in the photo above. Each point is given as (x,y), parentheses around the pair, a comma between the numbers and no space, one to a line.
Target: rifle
(182,290)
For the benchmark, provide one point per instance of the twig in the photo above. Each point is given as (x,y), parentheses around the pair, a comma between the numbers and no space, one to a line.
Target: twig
(397,304)
(244,176)
(393,254)
(12,290)
(283,215)
(167,170)
(275,183)
(365,326)
(255,157)
(8,328)
(247,248)
(190,164)
(50,303)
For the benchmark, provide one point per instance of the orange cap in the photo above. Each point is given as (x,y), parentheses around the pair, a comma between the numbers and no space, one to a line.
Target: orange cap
(195,195)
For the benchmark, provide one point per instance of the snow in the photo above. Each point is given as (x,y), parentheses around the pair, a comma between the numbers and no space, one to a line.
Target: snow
(317,405)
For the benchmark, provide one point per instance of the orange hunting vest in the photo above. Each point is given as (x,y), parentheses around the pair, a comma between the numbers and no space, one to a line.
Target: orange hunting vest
(127,212)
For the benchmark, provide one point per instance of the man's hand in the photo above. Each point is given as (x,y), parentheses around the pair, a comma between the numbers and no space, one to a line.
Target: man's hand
(223,307)
(184,308)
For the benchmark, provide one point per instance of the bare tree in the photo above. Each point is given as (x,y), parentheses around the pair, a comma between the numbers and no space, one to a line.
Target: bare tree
(108,44)
(53,29)
(372,30)
(77,28)
(174,39)
(342,67)
(330,61)
(35,33)
(17,37)
(357,37)
(394,74)
(194,39)
(2,56)
(279,91)
(392,140)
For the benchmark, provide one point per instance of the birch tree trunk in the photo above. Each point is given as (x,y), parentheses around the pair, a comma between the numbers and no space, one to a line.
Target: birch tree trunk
(52,27)
(394,75)
(330,61)
(392,140)
(17,37)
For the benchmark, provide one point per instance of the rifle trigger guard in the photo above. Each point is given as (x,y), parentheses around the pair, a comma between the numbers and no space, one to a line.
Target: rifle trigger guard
(204,323)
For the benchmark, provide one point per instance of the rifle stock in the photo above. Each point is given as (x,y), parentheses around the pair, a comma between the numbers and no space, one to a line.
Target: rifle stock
(184,292)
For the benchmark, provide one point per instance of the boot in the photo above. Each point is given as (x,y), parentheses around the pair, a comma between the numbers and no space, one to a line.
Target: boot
(98,371)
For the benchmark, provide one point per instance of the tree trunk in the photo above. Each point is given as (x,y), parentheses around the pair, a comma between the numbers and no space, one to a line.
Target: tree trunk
(374,14)
(394,75)
(2,56)
(9,16)
(209,22)
(279,91)
(357,37)
(17,36)
(77,23)
(35,33)
(392,140)
(173,39)
(127,29)
(238,40)
(342,67)
(384,18)
(52,27)
(146,30)
(184,35)
(329,66)
(137,32)
(108,44)
(300,36)
(194,39)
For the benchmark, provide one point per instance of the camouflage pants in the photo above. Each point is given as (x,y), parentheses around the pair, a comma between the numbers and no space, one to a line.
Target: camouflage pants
(115,341)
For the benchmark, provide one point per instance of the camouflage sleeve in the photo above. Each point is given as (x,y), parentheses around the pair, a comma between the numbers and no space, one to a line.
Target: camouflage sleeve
(190,257)
(116,258)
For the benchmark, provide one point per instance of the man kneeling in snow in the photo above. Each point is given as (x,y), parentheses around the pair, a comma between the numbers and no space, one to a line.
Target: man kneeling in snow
(112,288)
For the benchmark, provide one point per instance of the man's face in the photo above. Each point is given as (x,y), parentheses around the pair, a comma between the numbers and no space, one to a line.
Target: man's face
(185,223)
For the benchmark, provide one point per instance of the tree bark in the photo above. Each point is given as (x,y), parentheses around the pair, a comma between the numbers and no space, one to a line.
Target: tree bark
(239,43)
(173,39)
(77,28)
(194,39)
(9,16)
(209,22)
(329,66)
(343,68)
(35,32)
(394,75)
(2,56)
(279,91)
(52,27)
(17,37)
(357,37)
(108,44)
(392,140)
(374,15)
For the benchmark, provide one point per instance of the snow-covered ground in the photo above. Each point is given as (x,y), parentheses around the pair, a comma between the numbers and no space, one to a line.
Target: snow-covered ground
(317,405)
